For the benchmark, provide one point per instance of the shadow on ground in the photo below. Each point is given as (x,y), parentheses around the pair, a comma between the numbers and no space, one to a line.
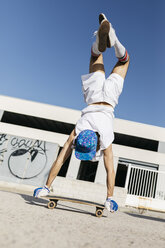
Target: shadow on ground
(145,217)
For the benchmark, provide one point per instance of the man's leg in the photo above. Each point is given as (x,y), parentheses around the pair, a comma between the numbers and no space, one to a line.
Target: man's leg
(121,53)
(96,64)
(121,68)
(99,46)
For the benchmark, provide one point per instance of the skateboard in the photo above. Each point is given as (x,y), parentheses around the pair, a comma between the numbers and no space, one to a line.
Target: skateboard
(54,199)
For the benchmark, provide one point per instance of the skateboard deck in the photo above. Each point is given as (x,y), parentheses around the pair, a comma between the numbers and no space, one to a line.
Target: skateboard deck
(54,199)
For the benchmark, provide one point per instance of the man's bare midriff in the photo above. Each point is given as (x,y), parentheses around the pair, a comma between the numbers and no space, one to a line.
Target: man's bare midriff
(102,103)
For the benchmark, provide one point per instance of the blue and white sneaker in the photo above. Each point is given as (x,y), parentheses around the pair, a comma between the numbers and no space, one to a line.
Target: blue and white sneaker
(111,205)
(42,191)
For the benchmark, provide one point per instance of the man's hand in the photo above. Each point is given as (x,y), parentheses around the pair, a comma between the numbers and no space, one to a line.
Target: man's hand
(42,191)
(111,205)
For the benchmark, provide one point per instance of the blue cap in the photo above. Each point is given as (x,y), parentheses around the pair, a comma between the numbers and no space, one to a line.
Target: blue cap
(86,145)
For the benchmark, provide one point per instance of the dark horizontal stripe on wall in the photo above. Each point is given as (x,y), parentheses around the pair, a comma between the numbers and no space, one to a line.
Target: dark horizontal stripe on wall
(37,122)
(136,142)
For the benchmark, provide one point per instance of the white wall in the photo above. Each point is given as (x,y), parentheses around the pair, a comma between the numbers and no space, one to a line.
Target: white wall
(71,116)
(139,154)
(161,147)
(1,113)
(33,133)
(118,150)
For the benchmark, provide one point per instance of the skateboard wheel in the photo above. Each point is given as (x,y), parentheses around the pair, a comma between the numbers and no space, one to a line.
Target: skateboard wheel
(52,204)
(99,212)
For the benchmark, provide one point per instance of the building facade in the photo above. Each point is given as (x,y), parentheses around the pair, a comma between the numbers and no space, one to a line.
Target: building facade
(32,134)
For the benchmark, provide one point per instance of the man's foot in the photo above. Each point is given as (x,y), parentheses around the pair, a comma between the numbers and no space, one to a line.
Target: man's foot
(42,191)
(103,35)
(111,37)
(102,17)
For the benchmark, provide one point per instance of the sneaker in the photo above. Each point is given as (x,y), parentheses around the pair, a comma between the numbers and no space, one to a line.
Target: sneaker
(102,17)
(102,35)
(111,205)
(111,37)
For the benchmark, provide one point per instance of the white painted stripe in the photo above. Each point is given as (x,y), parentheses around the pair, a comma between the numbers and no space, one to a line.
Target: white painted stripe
(39,110)
(32,133)
(138,154)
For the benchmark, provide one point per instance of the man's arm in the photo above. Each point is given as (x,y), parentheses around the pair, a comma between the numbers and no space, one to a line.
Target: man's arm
(109,166)
(64,154)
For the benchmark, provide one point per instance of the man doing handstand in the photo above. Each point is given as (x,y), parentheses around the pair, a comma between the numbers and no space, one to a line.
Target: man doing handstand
(93,134)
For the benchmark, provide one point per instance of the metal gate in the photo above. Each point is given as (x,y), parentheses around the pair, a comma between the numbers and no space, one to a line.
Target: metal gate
(145,188)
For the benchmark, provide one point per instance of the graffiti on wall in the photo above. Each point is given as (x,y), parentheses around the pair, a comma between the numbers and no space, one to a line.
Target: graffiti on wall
(25,158)
(3,141)
(31,154)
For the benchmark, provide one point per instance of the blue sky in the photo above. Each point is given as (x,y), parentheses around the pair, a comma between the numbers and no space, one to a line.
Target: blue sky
(45,47)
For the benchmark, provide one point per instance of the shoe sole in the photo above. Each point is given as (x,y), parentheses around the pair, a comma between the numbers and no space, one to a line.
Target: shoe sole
(103,35)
